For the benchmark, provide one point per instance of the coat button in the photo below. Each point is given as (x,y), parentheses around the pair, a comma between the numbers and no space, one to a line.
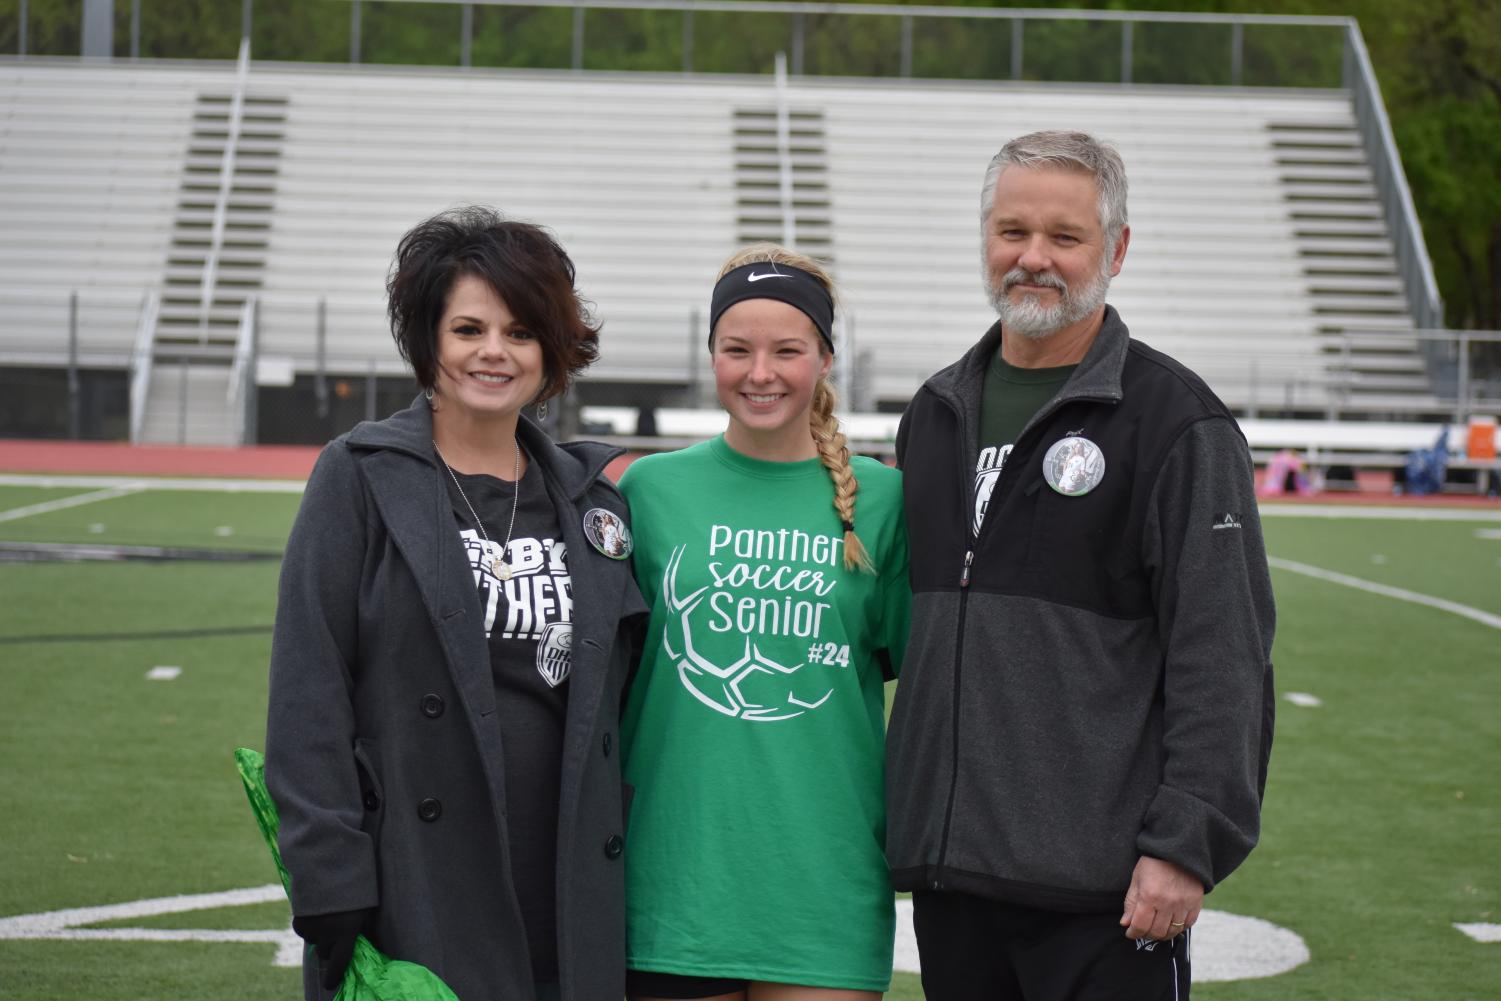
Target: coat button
(432,706)
(607,745)
(429,810)
(372,801)
(614,846)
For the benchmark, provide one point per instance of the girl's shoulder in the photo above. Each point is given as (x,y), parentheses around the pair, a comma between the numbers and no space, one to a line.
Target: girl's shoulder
(876,476)
(648,471)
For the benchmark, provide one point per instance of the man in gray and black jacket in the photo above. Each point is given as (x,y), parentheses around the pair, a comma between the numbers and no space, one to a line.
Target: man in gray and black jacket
(1079,744)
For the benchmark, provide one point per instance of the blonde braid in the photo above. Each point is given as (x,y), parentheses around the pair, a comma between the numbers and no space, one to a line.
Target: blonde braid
(835,455)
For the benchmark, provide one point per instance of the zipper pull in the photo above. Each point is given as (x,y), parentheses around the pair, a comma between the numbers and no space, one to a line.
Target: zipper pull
(969,558)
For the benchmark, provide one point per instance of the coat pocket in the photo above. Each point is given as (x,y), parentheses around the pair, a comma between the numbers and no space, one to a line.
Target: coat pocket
(372,793)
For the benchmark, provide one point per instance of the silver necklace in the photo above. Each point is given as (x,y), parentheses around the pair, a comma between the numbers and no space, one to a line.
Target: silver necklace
(498,565)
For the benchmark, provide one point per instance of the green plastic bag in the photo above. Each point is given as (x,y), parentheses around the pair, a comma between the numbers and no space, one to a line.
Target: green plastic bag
(372,975)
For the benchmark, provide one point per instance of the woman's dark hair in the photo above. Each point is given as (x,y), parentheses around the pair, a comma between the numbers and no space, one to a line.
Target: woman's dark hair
(523,264)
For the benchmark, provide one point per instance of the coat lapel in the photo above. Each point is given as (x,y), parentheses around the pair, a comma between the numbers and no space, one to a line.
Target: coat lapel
(597,583)
(414,506)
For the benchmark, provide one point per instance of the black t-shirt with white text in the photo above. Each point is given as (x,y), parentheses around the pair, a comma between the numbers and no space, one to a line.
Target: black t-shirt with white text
(1010,397)
(529,622)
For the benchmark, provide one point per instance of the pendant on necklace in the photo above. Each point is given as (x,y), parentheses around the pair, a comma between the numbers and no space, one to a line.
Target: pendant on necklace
(500,568)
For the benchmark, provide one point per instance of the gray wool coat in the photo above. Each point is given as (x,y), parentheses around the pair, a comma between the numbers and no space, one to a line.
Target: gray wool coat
(383,750)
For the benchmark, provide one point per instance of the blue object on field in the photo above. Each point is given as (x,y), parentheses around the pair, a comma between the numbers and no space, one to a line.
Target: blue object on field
(1426,466)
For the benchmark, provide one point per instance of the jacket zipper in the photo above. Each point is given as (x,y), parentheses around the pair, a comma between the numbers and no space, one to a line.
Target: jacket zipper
(948,814)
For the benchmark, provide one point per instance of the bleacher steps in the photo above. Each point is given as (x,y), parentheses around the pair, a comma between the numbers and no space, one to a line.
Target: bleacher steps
(758,198)
(1349,272)
(185,405)
(249,207)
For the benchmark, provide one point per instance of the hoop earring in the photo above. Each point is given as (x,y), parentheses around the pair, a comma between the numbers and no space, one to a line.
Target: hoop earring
(542,411)
(428,394)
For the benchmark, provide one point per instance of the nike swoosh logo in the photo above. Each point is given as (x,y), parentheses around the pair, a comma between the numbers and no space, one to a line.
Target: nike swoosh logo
(753,277)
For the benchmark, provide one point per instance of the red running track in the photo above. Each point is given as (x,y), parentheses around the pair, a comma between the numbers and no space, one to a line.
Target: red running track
(103,458)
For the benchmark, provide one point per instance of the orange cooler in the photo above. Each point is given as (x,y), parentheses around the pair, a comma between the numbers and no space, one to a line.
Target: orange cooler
(1482,440)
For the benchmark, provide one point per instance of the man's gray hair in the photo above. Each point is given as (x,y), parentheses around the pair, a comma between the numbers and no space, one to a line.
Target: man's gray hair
(1071,151)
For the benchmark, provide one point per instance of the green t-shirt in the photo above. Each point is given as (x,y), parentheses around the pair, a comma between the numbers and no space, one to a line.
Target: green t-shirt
(1011,396)
(754,729)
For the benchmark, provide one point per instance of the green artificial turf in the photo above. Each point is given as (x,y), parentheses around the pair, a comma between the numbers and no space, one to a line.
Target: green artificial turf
(1382,824)
(1456,560)
(256,522)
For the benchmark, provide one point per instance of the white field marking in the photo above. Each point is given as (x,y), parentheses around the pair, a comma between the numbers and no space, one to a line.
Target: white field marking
(221,486)
(96,528)
(1488,533)
(1303,699)
(76,500)
(65,925)
(163,672)
(224,531)
(1378,559)
(1401,594)
(1481,932)
(1225,946)
(1389,513)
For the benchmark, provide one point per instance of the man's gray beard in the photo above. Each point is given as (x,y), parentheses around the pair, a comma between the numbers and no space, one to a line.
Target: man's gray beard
(1030,317)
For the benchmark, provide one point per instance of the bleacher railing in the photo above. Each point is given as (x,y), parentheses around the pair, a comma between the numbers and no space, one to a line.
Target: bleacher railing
(226,186)
(141,357)
(241,393)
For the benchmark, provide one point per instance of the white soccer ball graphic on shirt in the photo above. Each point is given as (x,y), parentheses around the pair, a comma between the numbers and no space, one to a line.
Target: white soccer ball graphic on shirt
(752,687)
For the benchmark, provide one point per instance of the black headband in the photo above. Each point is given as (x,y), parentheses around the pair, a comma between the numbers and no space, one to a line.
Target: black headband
(782,282)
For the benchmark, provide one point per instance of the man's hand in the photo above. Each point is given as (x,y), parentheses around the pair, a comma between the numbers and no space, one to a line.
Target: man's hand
(1163,900)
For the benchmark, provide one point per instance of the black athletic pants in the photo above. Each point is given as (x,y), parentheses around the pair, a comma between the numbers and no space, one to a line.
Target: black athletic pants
(974,949)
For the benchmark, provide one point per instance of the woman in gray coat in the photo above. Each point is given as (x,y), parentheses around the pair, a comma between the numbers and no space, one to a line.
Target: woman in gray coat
(452,640)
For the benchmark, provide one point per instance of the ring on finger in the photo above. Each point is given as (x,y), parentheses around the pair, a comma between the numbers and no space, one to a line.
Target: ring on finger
(1175,924)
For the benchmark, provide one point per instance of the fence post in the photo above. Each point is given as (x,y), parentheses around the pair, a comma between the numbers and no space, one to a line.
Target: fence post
(21,31)
(1237,52)
(247,18)
(75,398)
(97,29)
(1462,391)
(466,33)
(135,29)
(354,32)
(1126,38)
(906,46)
(799,32)
(578,38)
(248,434)
(320,374)
(182,400)
(1016,48)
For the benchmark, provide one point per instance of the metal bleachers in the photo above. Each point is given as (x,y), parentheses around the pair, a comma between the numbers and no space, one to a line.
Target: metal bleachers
(1256,239)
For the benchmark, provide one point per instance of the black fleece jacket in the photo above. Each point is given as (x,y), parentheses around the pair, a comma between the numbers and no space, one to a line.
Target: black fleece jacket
(1090,679)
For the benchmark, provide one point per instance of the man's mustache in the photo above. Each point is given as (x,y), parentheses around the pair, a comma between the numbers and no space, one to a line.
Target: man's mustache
(1017,276)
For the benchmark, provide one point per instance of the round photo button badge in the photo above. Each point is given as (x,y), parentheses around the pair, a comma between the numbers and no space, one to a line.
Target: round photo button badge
(607,532)
(1073,466)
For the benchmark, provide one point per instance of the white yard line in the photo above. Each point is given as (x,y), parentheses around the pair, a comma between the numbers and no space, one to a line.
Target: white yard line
(119,490)
(46,923)
(63,925)
(139,483)
(1377,512)
(1481,932)
(1401,594)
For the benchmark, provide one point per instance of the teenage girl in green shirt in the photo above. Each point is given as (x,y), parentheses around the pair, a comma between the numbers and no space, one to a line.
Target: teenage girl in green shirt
(754,729)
